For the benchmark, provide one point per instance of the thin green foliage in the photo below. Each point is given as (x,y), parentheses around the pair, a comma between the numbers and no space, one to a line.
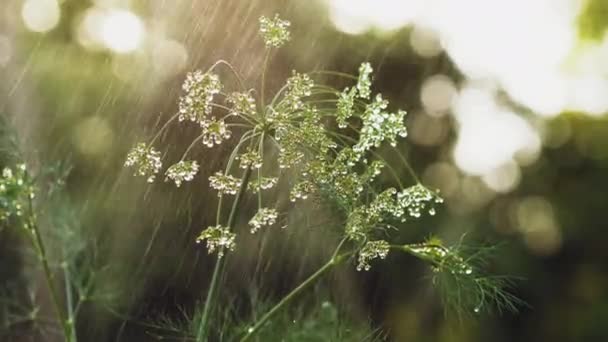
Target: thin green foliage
(34,205)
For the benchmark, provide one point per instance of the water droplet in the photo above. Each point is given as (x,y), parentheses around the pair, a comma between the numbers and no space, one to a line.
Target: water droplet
(477,309)
(468,271)
(250,330)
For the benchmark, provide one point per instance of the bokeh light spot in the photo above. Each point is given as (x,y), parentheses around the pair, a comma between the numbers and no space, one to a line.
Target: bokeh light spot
(436,94)
(40,15)
(93,136)
(122,31)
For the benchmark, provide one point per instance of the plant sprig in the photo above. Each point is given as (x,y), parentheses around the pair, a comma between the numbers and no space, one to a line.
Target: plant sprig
(338,165)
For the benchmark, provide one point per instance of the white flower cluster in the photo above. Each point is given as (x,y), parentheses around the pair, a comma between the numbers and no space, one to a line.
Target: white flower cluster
(219,238)
(364,83)
(262,183)
(250,159)
(302,190)
(370,251)
(303,132)
(289,154)
(299,86)
(416,199)
(264,217)
(196,103)
(345,106)
(391,204)
(242,103)
(224,184)
(379,126)
(183,171)
(146,160)
(214,132)
(274,31)
(15,191)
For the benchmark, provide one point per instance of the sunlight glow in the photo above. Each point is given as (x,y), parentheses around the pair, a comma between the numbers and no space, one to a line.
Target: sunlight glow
(358,16)
(425,41)
(88,28)
(529,49)
(490,136)
(40,15)
(535,219)
(122,31)
(437,94)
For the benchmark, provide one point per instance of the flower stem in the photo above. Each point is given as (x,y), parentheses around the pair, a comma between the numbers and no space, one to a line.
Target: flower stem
(202,333)
(71,314)
(335,260)
(162,129)
(38,243)
(263,85)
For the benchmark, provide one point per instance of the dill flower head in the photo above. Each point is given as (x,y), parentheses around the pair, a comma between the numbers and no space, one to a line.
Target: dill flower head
(146,161)
(299,86)
(183,171)
(250,159)
(214,131)
(364,83)
(262,183)
(302,190)
(200,89)
(370,251)
(219,238)
(224,184)
(413,201)
(379,126)
(345,106)
(264,217)
(242,103)
(15,191)
(274,31)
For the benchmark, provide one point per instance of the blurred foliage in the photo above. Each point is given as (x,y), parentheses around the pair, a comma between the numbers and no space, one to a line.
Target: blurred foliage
(593,19)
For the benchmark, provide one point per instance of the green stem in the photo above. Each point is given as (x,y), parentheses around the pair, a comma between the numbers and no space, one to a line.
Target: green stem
(266,58)
(335,260)
(162,129)
(203,330)
(48,275)
(231,68)
(71,322)
(335,73)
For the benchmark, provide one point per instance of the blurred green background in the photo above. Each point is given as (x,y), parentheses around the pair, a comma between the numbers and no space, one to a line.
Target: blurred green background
(508,117)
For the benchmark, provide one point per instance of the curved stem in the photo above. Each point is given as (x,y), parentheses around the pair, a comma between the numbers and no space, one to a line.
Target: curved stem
(407,165)
(160,131)
(335,260)
(335,73)
(197,139)
(231,68)
(203,330)
(411,249)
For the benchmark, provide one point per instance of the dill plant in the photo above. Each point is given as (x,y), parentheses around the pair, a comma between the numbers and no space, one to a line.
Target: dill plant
(34,206)
(18,211)
(327,142)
